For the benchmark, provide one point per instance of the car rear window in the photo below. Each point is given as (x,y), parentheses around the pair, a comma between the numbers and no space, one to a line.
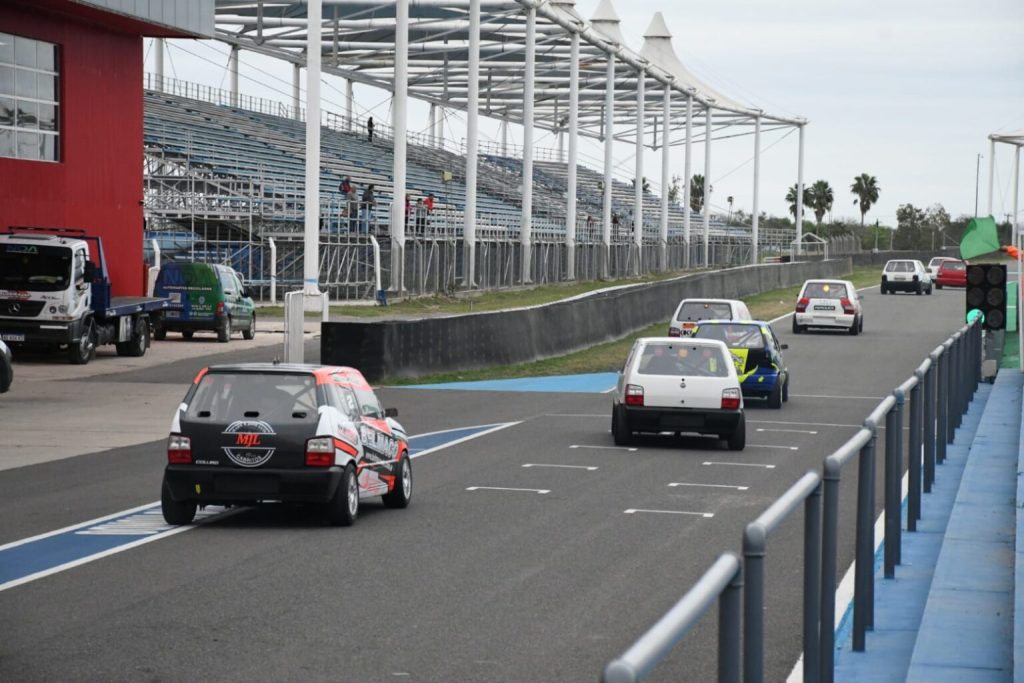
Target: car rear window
(899,267)
(734,336)
(272,397)
(682,359)
(825,290)
(953,265)
(704,310)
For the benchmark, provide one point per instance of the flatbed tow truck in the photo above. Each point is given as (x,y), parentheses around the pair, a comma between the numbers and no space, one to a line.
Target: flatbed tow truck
(55,295)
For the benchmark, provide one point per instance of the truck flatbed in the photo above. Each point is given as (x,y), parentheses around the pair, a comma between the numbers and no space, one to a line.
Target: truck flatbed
(126,305)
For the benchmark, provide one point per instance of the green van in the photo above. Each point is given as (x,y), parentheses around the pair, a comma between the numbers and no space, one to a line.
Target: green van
(203,297)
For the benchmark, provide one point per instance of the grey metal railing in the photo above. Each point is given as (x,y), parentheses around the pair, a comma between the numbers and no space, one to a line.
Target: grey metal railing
(939,391)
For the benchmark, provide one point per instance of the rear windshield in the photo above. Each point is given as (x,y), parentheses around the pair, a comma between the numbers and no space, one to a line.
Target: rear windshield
(273,397)
(682,359)
(734,336)
(937,261)
(704,310)
(825,290)
(900,267)
(953,265)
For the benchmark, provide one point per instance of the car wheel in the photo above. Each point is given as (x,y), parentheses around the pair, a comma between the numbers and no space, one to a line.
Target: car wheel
(884,289)
(620,427)
(176,512)
(918,289)
(775,398)
(738,439)
(402,493)
(85,350)
(224,331)
(929,292)
(938,286)
(785,389)
(861,328)
(250,331)
(855,327)
(343,508)
(187,334)
(797,329)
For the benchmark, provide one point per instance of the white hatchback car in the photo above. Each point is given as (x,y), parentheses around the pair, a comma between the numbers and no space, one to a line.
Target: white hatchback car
(828,304)
(692,311)
(906,275)
(933,265)
(679,385)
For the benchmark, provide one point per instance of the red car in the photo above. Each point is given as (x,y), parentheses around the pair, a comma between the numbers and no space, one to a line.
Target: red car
(951,274)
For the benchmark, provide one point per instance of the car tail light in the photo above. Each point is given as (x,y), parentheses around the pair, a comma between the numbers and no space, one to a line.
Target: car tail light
(179,450)
(673,332)
(730,399)
(220,309)
(634,395)
(320,452)
(801,305)
(847,306)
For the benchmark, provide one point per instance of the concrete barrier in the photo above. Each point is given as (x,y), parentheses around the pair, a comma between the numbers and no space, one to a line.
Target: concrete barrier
(879,258)
(409,348)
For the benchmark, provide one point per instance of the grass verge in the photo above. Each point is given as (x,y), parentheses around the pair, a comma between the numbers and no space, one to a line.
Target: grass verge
(608,357)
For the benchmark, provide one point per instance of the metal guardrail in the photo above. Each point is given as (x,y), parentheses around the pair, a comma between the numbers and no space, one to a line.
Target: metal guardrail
(939,392)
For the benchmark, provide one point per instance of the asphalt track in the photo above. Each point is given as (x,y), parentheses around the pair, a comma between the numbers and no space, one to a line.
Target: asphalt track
(472,582)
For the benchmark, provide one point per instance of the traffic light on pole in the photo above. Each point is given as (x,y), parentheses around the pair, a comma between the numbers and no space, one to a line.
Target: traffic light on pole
(986,292)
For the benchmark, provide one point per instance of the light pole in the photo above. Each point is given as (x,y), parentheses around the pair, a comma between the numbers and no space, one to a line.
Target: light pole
(977,173)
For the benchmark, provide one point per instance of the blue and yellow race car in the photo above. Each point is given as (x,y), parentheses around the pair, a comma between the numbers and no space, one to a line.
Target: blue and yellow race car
(756,353)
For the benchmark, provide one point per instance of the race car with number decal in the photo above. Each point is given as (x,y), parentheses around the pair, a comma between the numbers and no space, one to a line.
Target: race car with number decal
(260,432)
(757,354)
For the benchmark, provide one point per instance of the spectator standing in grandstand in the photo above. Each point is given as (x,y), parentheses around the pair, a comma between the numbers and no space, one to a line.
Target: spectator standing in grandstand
(346,186)
(369,203)
(421,216)
(352,199)
(369,129)
(615,224)
(428,205)
(590,225)
(408,211)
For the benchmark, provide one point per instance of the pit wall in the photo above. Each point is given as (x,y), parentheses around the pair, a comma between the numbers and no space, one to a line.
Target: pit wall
(410,348)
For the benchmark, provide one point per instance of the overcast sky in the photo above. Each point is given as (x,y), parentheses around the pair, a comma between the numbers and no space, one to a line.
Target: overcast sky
(906,90)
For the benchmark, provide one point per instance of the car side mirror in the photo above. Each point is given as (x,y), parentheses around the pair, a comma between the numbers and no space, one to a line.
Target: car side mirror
(89,274)
(391,412)
(784,346)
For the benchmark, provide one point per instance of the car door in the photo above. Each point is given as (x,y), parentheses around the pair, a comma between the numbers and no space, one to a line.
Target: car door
(380,445)
(242,301)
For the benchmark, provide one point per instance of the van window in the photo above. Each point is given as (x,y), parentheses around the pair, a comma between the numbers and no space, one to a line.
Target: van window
(704,310)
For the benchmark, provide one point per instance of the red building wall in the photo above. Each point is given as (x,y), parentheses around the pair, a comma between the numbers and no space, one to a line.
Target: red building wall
(97,185)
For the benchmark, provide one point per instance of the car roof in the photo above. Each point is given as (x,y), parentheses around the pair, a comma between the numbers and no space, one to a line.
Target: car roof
(845,282)
(752,323)
(702,300)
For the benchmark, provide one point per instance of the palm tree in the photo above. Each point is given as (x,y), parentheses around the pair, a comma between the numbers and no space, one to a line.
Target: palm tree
(821,199)
(866,188)
(697,192)
(791,198)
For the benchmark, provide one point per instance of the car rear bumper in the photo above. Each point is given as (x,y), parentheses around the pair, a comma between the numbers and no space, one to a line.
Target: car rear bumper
(214,485)
(701,421)
(904,286)
(760,385)
(951,282)
(819,320)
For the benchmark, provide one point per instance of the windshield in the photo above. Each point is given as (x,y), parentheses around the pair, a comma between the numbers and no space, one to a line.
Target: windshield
(226,397)
(734,336)
(682,359)
(34,267)
(704,310)
(825,290)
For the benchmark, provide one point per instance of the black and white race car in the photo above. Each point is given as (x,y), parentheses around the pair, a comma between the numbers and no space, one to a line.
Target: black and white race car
(258,432)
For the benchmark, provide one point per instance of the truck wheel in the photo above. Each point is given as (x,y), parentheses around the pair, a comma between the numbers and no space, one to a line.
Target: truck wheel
(402,494)
(250,332)
(343,508)
(137,345)
(176,512)
(224,331)
(159,333)
(187,334)
(83,351)
(737,441)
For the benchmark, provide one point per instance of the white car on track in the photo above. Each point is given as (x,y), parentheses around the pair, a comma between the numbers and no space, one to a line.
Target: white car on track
(692,311)
(828,304)
(906,275)
(679,385)
(933,265)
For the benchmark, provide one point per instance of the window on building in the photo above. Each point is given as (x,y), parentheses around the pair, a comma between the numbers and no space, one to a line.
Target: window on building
(29,99)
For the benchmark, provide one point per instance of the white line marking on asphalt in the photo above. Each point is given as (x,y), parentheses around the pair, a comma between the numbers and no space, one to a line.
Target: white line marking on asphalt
(792,431)
(705,515)
(713,486)
(567,467)
(841,398)
(609,448)
(464,439)
(73,527)
(738,464)
(502,488)
(762,445)
(811,424)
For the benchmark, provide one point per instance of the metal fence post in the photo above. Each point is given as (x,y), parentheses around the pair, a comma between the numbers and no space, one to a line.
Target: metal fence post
(929,421)
(951,374)
(959,385)
(893,429)
(730,609)
(863,597)
(829,541)
(812,584)
(914,453)
(754,541)
(941,394)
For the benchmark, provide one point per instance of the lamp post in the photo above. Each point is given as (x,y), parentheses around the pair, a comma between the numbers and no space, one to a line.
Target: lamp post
(977,174)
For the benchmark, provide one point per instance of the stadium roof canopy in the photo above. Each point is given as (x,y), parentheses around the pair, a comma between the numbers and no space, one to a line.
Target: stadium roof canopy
(1012,138)
(358,38)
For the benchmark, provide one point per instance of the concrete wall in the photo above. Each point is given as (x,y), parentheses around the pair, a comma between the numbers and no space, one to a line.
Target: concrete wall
(408,348)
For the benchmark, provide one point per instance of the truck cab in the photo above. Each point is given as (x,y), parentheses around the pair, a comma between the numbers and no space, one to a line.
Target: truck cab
(55,293)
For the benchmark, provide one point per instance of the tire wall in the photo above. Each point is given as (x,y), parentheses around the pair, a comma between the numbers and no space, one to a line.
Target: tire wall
(409,348)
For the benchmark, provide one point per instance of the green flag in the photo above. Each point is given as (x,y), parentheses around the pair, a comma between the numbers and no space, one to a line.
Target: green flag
(979,238)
